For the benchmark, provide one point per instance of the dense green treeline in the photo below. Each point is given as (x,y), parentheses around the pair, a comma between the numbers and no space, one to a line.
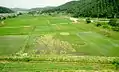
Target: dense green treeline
(89,8)
(5,10)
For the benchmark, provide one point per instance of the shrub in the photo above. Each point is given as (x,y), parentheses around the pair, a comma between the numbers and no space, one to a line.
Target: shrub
(115,28)
(2,66)
(88,20)
(98,24)
(9,16)
(113,22)
(3,18)
(26,59)
(0,18)
(14,16)
(19,13)
(2,23)
(106,26)
(116,63)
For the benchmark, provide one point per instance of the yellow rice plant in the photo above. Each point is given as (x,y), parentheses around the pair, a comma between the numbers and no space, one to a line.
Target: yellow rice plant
(47,44)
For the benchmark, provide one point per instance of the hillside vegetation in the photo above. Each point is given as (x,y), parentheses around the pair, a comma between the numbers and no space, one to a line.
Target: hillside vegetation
(45,8)
(19,9)
(89,8)
(5,10)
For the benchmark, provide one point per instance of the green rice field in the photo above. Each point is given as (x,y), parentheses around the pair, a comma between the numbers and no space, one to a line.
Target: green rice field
(35,36)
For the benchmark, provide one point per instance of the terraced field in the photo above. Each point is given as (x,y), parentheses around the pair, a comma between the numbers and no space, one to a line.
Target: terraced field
(32,36)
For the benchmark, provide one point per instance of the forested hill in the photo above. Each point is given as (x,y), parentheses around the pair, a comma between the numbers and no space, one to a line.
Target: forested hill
(19,9)
(5,10)
(45,8)
(90,8)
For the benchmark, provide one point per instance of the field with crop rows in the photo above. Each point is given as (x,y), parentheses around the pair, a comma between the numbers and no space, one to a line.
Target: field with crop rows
(36,36)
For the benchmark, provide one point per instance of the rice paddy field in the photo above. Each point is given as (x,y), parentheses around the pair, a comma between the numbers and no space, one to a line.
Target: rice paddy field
(43,37)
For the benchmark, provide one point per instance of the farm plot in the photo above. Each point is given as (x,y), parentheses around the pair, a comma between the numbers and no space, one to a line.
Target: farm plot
(58,20)
(11,44)
(62,30)
(15,30)
(45,43)
(14,35)
(98,44)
